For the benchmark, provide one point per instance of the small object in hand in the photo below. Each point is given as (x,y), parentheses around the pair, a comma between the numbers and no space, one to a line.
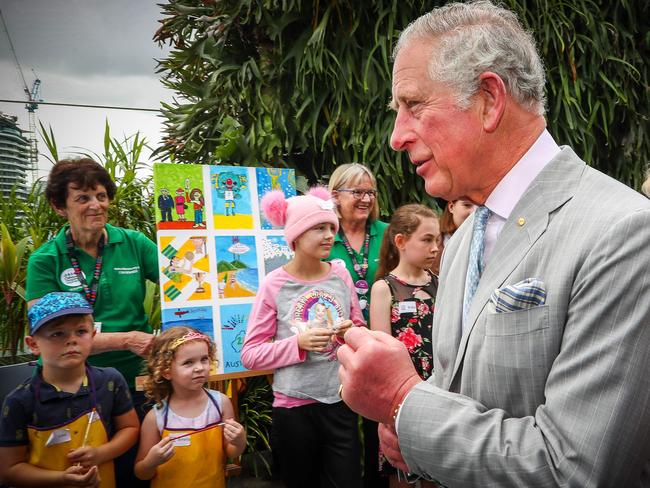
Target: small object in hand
(341,392)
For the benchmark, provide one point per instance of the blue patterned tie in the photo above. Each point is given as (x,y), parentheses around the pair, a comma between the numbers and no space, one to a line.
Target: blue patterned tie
(475,263)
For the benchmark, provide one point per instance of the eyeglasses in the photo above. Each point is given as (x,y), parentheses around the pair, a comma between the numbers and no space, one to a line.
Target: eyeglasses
(359,194)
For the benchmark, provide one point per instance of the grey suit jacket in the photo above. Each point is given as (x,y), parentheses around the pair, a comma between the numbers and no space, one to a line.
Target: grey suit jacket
(557,394)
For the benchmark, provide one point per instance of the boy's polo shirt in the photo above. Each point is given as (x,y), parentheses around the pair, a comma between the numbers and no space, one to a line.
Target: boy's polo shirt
(54,407)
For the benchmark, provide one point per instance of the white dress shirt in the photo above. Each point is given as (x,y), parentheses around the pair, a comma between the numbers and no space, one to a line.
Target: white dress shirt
(512,186)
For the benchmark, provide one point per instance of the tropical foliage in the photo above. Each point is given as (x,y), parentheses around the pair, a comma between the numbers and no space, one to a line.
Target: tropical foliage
(26,225)
(305,83)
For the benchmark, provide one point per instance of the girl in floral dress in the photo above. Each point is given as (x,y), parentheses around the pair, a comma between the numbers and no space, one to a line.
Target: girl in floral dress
(402,299)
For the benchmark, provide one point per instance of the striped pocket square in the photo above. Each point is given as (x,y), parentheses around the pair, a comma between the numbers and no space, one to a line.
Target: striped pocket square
(523,295)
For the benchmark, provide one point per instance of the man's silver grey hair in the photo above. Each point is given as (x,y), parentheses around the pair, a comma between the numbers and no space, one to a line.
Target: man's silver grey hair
(475,37)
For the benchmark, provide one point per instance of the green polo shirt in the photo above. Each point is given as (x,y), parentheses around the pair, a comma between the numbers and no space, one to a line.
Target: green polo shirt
(377,228)
(129,259)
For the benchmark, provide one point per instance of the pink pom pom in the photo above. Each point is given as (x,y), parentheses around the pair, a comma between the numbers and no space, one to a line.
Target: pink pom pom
(274,205)
(320,192)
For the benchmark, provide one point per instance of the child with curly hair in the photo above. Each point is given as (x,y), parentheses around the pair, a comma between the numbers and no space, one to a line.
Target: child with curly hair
(186,437)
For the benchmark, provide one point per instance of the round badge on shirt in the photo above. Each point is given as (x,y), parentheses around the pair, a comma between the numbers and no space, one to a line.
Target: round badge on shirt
(69,278)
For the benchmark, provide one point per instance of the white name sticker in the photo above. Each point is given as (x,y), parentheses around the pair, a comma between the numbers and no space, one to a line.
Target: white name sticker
(183,441)
(59,436)
(407,307)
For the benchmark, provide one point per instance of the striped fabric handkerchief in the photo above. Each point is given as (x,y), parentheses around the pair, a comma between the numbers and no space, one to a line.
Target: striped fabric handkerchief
(526,294)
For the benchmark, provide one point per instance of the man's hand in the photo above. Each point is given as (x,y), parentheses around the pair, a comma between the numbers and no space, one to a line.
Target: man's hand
(390,447)
(376,373)
(314,340)
(80,476)
(342,327)
(139,342)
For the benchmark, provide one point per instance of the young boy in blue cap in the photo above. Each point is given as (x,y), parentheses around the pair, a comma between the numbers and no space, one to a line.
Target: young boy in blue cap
(65,424)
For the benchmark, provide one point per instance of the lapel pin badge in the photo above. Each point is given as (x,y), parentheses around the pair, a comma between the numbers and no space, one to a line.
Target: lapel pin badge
(521,221)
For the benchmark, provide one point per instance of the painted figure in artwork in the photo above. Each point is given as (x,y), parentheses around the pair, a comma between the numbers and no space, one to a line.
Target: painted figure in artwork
(229,186)
(196,198)
(165,204)
(179,201)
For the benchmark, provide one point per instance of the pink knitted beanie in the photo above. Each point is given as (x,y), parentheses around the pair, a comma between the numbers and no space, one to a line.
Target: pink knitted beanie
(301,213)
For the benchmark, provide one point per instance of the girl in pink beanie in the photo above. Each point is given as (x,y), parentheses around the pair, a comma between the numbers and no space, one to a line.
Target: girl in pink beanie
(300,315)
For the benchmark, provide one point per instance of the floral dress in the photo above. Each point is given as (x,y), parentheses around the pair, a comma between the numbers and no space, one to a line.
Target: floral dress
(411,320)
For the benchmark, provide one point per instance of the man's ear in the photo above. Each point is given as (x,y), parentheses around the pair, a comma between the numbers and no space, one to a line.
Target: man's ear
(33,345)
(492,91)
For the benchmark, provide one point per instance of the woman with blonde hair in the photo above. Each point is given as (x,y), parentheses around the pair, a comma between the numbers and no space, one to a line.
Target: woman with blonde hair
(357,244)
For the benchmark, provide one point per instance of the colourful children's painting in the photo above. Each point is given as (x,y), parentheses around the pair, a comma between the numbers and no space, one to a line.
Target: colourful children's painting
(237,273)
(276,252)
(185,268)
(274,179)
(231,197)
(233,330)
(199,318)
(179,195)
(214,250)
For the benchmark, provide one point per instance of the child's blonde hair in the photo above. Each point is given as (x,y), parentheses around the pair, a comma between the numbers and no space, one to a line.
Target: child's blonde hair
(156,386)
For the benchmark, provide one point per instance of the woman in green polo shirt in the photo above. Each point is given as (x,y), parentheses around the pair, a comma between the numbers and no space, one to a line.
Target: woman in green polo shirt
(357,245)
(107,265)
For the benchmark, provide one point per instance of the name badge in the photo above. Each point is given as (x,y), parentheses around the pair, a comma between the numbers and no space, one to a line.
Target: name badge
(183,441)
(59,436)
(407,307)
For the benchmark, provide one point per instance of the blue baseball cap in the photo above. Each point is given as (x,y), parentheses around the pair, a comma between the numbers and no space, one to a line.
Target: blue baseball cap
(54,305)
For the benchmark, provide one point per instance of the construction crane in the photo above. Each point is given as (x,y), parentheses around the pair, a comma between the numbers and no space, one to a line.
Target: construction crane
(33,97)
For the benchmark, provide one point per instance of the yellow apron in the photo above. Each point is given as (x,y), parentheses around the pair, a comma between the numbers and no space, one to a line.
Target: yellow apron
(198,460)
(48,448)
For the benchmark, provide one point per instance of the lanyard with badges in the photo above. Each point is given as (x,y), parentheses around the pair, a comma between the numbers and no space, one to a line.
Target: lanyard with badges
(361,285)
(90,291)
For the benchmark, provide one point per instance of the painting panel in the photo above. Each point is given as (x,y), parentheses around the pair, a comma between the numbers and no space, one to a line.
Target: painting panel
(237,273)
(231,197)
(275,251)
(234,319)
(185,269)
(199,318)
(274,179)
(179,195)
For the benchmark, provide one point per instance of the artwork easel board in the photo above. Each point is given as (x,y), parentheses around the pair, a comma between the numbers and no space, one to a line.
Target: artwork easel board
(215,247)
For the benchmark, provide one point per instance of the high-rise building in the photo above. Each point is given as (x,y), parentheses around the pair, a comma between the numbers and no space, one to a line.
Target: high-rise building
(14,157)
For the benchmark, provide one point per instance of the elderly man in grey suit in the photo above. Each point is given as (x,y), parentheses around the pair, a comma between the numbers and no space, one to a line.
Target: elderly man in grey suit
(542,322)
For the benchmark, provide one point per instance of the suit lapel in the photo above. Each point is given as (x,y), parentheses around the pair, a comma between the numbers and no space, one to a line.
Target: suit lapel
(552,188)
(446,329)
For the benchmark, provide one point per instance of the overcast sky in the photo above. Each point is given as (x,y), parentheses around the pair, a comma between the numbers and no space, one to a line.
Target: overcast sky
(97,52)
